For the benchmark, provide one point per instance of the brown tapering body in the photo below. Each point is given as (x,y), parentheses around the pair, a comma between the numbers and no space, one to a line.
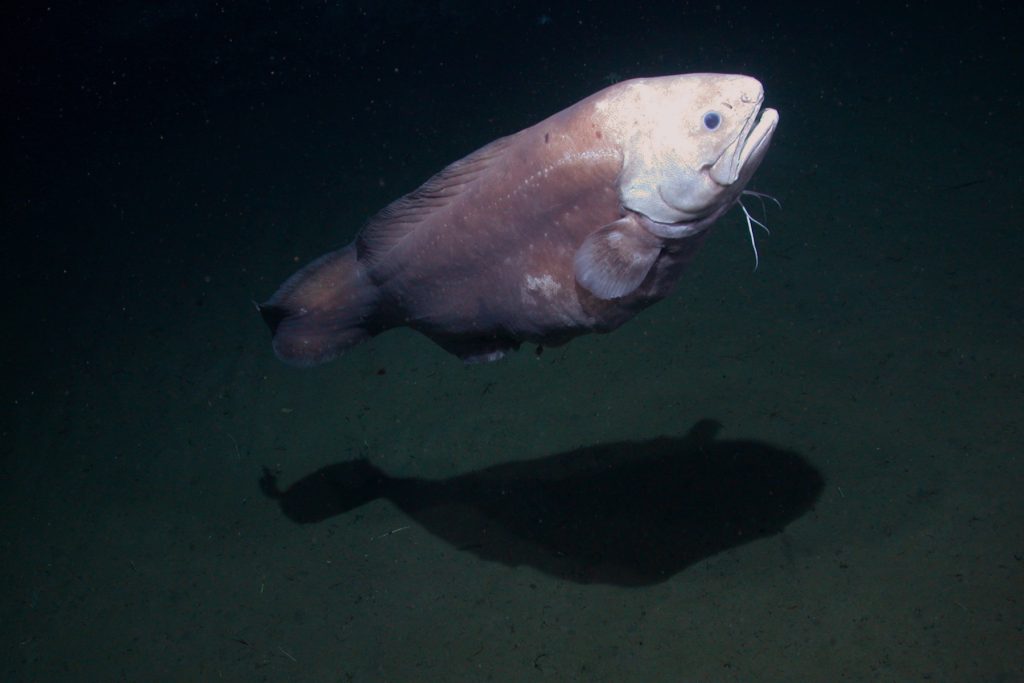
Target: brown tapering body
(532,238)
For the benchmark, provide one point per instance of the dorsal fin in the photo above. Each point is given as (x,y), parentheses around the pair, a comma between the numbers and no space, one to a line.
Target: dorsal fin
(401,217)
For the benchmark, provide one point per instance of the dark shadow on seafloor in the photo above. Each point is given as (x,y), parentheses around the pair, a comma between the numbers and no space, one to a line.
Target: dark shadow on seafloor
(628,514)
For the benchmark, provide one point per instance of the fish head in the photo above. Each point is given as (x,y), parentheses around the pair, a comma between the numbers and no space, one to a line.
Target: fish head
(689,145)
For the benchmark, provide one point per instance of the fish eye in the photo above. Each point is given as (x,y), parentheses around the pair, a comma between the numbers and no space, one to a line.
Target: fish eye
(712,120)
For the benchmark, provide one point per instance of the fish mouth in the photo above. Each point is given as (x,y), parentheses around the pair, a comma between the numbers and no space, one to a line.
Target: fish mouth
(757,141)
(742,157)
(732,171)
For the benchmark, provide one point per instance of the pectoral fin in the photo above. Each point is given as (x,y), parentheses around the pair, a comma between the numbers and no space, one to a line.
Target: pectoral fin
(614,260)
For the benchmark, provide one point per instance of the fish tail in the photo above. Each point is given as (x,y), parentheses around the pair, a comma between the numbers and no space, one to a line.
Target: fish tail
(321,311)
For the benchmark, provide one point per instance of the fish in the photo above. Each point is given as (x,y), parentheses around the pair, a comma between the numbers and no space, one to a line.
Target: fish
(571,226)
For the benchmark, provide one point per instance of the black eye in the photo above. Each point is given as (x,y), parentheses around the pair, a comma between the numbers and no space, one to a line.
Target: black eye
(712,120)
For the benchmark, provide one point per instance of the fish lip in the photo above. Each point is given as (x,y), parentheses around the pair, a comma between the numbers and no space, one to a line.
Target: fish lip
(729,167)
(758,138)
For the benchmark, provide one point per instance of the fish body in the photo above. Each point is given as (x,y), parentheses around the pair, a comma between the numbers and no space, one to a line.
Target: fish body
(570,226)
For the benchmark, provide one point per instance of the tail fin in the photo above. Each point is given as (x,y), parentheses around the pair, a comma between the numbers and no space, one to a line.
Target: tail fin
(322,310)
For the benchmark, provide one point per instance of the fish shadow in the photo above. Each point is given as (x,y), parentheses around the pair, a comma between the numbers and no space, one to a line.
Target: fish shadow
(627,514)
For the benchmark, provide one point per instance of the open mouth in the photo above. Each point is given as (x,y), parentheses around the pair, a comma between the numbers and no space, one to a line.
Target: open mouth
(756,143)
(749,146)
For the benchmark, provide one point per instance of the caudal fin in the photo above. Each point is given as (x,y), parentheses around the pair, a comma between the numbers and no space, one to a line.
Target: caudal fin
(322,310)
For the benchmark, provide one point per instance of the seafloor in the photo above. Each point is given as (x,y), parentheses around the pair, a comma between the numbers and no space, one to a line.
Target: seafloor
(807,472)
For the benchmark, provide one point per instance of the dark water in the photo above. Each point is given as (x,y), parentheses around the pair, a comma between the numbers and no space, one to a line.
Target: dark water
(811,472)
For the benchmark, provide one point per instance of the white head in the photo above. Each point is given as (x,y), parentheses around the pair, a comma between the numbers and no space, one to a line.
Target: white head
(690,143)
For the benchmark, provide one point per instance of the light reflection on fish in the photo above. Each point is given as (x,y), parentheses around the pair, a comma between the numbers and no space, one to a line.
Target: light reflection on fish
(570,226)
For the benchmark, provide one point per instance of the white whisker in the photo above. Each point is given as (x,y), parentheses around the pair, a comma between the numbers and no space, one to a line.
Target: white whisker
(762,196)
(751,221)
